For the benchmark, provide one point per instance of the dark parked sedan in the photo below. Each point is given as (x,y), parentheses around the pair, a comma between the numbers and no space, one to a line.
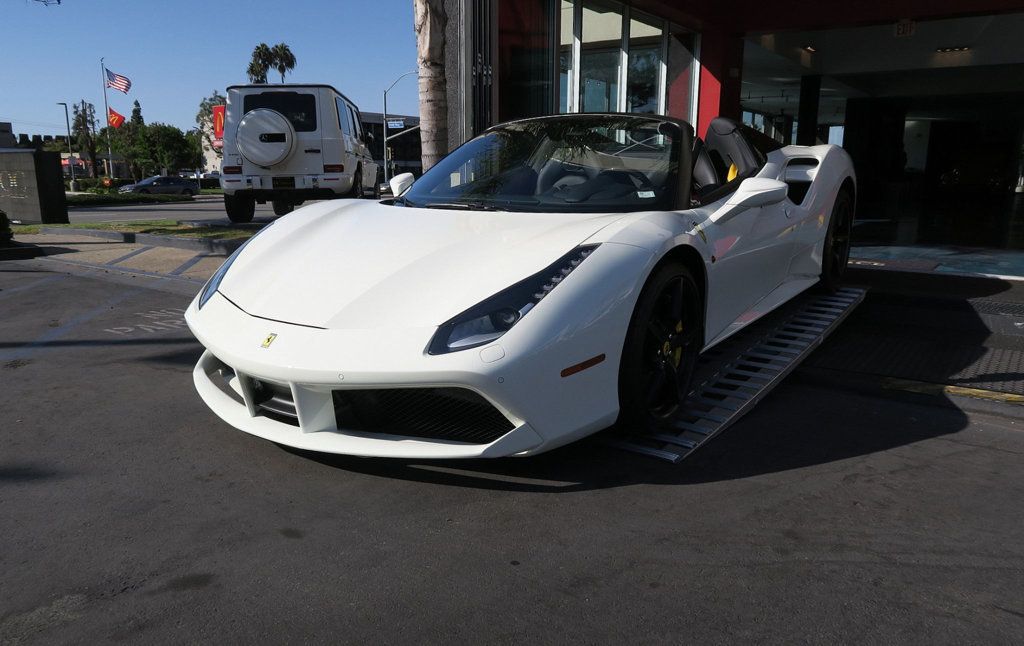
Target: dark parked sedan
(163,184)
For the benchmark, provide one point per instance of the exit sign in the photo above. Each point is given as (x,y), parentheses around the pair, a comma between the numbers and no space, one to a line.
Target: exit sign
(905,28)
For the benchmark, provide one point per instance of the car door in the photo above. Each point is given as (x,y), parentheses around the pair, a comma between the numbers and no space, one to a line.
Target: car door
(349,157)
(750,252)
(750,256)
(160,185)
(366,157)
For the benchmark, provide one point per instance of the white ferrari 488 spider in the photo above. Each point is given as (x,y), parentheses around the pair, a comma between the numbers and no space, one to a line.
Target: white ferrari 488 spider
(548,278)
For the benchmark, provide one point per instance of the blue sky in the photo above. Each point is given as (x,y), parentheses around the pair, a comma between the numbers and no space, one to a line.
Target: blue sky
(177,51)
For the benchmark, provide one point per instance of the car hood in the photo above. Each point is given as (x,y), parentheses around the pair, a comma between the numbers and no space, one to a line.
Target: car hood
(358,264)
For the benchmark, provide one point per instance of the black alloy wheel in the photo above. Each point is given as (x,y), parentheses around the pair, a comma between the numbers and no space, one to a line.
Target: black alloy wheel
(836,253)
(661,350)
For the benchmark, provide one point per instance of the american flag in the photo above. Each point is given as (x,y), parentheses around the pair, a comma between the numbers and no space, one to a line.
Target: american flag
(117,81)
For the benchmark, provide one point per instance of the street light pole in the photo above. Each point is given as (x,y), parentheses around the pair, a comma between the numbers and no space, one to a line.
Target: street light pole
(71,153)
(386,169)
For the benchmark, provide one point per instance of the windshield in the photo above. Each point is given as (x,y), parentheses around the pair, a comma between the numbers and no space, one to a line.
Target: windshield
(590,163)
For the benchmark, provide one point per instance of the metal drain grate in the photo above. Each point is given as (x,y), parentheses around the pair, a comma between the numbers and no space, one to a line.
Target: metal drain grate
(985,306)
(733,377)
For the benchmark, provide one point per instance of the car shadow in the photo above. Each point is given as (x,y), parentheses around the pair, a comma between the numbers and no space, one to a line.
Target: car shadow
(806,421)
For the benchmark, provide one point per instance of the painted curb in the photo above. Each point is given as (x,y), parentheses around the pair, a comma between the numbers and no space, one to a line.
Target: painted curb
(202,245)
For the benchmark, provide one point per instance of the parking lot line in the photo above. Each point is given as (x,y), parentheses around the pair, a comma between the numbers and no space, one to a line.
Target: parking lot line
(188,264)
(128,255)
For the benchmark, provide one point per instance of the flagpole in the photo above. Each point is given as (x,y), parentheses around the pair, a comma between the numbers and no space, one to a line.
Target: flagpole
(106,117)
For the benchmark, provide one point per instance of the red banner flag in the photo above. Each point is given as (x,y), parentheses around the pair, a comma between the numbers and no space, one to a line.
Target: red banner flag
(218,121)
(114,119)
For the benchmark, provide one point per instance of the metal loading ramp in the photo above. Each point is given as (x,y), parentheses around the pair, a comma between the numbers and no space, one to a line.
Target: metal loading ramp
(731,378)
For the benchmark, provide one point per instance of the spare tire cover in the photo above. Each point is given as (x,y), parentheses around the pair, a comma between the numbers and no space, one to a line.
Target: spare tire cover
(265,137)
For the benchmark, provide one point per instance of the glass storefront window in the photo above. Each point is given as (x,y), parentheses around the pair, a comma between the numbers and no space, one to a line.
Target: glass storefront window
(565,54)
(613,58)
(525,59)
(643,77)
(600,56)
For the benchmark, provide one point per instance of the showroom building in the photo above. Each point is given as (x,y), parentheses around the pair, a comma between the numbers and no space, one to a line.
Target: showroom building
(926,95)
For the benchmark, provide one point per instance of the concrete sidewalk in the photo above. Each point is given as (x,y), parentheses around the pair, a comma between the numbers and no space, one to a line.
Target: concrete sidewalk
(125,257)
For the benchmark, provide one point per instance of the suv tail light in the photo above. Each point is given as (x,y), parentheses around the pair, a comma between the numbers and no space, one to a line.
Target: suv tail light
(232,170)
(334,168)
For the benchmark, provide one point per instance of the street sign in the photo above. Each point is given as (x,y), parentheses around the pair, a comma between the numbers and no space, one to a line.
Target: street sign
(396,124)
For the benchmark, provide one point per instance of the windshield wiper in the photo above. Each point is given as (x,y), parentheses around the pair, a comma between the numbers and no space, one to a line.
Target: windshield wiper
(465,206)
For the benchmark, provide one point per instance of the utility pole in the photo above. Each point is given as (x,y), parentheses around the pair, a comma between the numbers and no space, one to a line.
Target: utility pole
(71,153)
(386,169)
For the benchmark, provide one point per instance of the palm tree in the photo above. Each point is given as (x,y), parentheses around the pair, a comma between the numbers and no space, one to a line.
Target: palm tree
(283,59)
(262,61)
(430,22)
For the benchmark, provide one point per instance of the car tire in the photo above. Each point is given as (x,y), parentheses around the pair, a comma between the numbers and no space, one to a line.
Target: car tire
(357,184)
(188,192)
(239,209)
(144,192)
(661,349)
(282,207)
(836,252)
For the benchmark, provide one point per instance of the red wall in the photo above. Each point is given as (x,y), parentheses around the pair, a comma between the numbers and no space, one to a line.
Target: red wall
(720,76)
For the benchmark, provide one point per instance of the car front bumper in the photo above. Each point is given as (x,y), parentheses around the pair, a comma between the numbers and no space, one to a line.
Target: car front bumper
(311,364)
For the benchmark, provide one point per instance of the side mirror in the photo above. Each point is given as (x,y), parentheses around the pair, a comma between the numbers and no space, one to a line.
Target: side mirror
(753,192)
(401,183)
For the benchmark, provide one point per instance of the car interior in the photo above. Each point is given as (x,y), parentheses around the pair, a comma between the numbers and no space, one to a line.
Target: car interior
(722,160)
(618,166)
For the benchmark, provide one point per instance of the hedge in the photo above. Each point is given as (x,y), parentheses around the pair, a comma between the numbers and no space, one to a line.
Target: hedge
(87,183)
(92,199)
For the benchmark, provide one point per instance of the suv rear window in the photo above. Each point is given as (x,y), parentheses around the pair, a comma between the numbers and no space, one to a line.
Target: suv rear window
(300,109)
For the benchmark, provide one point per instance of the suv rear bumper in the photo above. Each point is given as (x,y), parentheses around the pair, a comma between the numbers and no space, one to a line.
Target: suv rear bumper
(290,194)
(307,187)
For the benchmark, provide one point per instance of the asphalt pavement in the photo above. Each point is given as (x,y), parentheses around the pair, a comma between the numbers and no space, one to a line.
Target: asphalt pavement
(131,513)
(206,207)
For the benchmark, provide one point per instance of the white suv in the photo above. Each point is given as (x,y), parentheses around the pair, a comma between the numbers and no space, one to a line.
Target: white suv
(290,143)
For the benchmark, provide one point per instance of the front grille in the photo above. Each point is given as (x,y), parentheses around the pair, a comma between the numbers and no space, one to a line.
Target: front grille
(454,414)
(275,401)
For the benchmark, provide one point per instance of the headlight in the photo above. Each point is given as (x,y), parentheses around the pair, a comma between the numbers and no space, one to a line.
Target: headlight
(211,285)
(490,319)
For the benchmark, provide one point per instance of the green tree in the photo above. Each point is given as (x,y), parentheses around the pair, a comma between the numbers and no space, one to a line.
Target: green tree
(83,131)
(283,59)
(204,119)
(131,142)
(261,62)
(171,149)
